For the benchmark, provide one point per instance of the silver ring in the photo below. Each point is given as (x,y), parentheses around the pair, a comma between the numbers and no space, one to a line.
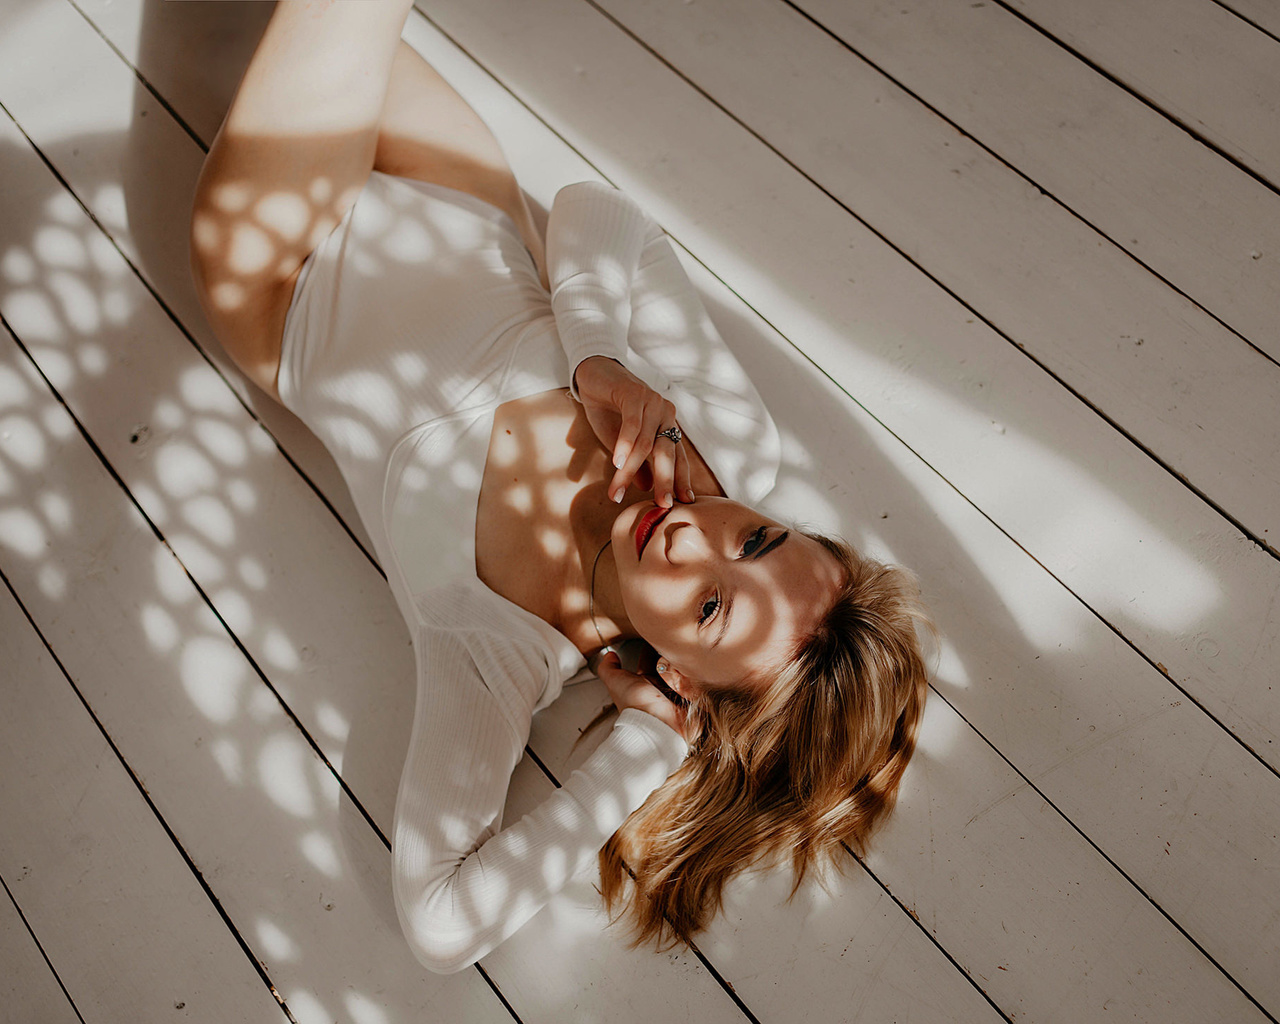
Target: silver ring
(673,432)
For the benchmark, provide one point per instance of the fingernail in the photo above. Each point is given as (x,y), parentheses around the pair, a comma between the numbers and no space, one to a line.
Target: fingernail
(667,500)
(688,494)
(617,496)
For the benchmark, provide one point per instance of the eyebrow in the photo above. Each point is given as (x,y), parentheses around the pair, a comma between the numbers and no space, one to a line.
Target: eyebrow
(771,545)
(728,604)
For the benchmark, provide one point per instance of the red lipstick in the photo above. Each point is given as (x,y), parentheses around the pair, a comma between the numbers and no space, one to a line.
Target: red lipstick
(648,523)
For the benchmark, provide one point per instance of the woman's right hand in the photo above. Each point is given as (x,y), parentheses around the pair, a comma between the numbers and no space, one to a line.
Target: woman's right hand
(630,690)
(626,415)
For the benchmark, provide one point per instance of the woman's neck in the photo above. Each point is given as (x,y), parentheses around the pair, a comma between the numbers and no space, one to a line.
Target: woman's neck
(593,571)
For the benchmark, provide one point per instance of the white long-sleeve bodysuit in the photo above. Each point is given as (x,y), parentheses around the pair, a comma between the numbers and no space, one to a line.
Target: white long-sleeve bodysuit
(410,324)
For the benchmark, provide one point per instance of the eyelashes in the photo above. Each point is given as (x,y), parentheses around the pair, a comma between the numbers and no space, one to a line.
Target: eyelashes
(711,605)
(709,608)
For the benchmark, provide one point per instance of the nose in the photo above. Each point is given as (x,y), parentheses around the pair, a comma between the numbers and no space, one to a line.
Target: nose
(687,544)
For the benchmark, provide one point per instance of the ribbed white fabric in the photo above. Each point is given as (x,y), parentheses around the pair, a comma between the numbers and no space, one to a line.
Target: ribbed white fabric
(423,308)
(618,290)
(462,886)
(591,290)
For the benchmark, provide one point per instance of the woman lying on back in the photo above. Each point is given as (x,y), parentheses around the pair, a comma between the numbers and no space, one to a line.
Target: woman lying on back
(553,452)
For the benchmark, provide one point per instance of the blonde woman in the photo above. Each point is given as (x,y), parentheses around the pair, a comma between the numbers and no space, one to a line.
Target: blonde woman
(553,452)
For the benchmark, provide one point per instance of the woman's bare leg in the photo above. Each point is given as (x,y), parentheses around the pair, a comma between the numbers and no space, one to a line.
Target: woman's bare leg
(291,157)
(429,132)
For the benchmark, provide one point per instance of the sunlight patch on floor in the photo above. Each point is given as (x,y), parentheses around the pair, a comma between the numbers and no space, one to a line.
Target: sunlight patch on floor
(1091,522)
(210,517)
(160,628)
(364,1010)
(226,752)
(276,944)
(279,650)
(331,720)
(22,533)
(282,764)
(213,676)
(318,848)
(950,669)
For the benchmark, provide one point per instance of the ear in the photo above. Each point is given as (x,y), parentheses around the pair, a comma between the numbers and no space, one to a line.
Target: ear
(677,680)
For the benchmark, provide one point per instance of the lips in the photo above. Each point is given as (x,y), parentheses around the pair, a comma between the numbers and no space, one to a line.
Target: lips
(648,523)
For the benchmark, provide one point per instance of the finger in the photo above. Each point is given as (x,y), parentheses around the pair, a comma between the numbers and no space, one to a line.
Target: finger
(684,476)
(625,689)
(664,470)
(643,478)
(650,424)
(609,671)
(630,431)
(665,711)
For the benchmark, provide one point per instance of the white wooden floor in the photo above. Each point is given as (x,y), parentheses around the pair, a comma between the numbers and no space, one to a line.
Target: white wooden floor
(1008,274)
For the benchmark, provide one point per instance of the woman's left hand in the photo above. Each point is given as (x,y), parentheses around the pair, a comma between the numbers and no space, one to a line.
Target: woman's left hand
(626,415)
(630,690)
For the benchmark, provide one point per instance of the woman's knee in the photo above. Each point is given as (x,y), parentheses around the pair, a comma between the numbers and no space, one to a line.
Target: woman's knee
(243,254)
(297,145)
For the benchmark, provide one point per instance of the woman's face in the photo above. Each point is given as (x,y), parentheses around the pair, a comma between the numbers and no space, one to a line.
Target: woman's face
(719,590)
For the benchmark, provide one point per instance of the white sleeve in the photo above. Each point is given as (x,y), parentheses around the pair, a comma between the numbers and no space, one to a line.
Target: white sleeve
(461,886)
(595,236)
(618,289)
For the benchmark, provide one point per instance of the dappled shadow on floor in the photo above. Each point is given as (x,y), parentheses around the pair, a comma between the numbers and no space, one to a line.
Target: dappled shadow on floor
(290,587)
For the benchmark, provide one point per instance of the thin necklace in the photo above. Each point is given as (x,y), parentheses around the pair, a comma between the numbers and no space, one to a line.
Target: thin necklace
(591,594)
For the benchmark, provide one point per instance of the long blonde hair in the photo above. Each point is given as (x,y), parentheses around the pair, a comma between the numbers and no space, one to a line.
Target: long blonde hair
(809,763)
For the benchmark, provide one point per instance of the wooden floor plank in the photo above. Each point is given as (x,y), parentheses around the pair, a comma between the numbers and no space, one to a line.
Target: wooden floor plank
(1194,60)
(1081,715)
(957,777)
(81,851)
(1112,896)
(29,990)
(509,965)
(231,506)
(298,871)
(121,139)
(1083,501)
(1262,13)
(1179,382)
(596,133)
(1206,226)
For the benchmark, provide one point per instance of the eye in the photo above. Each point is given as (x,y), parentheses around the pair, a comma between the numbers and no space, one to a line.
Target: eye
(754,541)
(709,608)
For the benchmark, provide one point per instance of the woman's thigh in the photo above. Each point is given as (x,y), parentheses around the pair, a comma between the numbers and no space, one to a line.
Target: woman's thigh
(293,153)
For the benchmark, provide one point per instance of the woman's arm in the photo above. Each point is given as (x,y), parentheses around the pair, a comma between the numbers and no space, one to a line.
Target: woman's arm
(595,237)
(618,290)
(462,886)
